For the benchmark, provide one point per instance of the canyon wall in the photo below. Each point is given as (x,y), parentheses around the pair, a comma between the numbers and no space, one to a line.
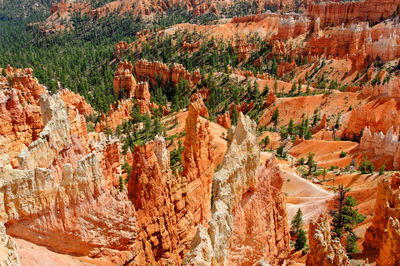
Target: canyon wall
(245,199)
(382,146)
(169,205)
(60,193)
(324,251)
(152,71)
(358,41)
(336,13)
(379,115)
(384,233)
(20,116)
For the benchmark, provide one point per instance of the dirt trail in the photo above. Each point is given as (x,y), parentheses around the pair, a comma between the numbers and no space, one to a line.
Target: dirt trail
(303,194)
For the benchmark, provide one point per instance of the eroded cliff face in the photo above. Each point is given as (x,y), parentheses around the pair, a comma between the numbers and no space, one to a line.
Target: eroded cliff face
(244,200)
(116,115)
(124,82)
(153,71)
(379,115)
(383,146)
(359,42)
(336,13)
(324,251)
(171,206)
(20,116)
(8,249)
(384,233)
(60,193)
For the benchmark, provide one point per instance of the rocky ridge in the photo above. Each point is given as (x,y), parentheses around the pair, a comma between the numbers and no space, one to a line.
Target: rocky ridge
(324,250)
(169,205)
(384,233)
(237,190)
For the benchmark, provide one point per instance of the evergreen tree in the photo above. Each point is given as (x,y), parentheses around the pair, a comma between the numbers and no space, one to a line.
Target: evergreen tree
(290,128)
(351,244)
(366,166)
(297,222)
(266,141)
(345,215)
(301,240)
(234,117)
(275,117)
(311,163)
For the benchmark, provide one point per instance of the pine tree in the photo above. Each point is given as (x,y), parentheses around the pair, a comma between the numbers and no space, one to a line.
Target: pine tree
(266,141)
(234,117)
(366,166)
(275,117)
(301,240)
(344,215)
(290,128)
(297,222)
(310,163)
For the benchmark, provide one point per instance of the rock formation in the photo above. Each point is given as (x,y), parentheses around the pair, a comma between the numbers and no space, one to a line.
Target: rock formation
(271,98)
(116,115)
(67,202)
(292,27)
(336,13)
(248,222)
(359,42)
(224,120)
(384,233)
(142,96)
(20,116)
(379,115)
(8,249)
(152,71)
(324,251)
(171,206)
(124,82)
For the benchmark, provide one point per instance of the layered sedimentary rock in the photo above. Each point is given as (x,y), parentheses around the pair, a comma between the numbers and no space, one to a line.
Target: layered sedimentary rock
(384,233)
(249,221)
(108,154)
(116,115)
(124,82)
(142,96)
(157,71)
(8,249)
(60,193)
(324,251)
(77,109)
(359,42)
(382,145)
(379,115)
(224,120)
(171,206)
(336,13)
(388,89)
(75,101)
(292,27)
(20,116)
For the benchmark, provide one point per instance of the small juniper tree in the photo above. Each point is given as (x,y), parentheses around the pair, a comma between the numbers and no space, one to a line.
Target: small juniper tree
(366,166)
(266,141)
